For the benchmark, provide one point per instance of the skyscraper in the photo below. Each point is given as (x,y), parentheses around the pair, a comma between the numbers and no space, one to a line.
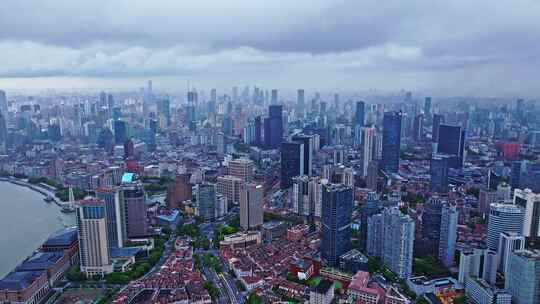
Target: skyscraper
(451,141)
(300,103)
(427,106)
(391,238)
(164,112)
(372,175)
(368,136)
(307,141)
(391,142)
(112,198)
(437,121)
(292,162)
(439,173)
(337,208)
(273,127)
(206,201)
(530,202)
(241,168)
(503,218)
(274,96)
(508,243)
(229,186)
(300,195)
(136,224)
(120,132)
(251,206)
(3,104)
(179,191)
(94,253)
(448,235)
(359,114)
(258,131)
(371,206)
(523,277)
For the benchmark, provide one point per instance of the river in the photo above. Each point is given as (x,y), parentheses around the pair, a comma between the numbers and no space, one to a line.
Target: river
(25,222)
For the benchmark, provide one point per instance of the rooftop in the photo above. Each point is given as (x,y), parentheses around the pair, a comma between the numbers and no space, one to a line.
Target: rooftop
(40,261)
(323,287)
(19,280)
(124,252)
(64,237)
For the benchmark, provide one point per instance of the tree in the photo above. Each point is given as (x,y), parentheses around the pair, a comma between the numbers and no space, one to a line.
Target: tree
(253,298)
(212,289)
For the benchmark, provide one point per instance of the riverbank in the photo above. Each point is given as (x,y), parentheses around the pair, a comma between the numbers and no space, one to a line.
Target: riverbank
(36,188)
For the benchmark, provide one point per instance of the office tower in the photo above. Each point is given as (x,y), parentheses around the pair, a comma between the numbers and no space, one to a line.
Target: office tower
(136,224)
(368,136)
(486,197)
(3,128)
(120,132)
(94,253)
(503,218)
(452,142)
(3,104)
(273,127)
(205,195)
(391,141)
(523,277)
(489,273)
(112,198)
(391,238)
(251,206)
(222,206)
(315,196)
(307,141)
(437,121)
(227,126)
(229,187)
(439,230)
(336,220)
(241,168)
(508,243)
(427,107)
(359,114)
(530,202)
(418,127)
(347,177)
(300,103)
(477,263)
(292,162)
(179,191)
(102,100)
(479,291)
(300,195)
(164,112)
(372,175)
(371,206)
(274,97)
(258,131)
(439,173)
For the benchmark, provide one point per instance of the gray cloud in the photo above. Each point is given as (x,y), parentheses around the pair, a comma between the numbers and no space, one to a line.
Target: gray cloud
(436,42)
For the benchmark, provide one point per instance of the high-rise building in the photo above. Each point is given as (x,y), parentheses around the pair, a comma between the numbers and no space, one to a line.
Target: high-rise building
(359,114)
(229,187)
(439,230)
(241,168)
(300,195)
(136,222)
(368,136)
(452,142)
(391,238)
(94,252)
(336,220)
(300,103)
(205,196)
(115,218)
(371,206)
(508,243)
(307,141)
(273,127)
(439,173)
(179,191)
(258,131)
(418,127)
(523,277)
(530,202)
(391,141)
(503,218)
(477,263)
(120,131)
(427,106)
(3,104)
(437,121)
(292,162)
(372,175)
(251,206)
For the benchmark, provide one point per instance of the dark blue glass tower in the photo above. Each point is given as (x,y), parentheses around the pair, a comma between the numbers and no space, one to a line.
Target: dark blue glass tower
(391,141)
(258,131)
(452,141)
(337,205)
(292,162)
(273,127)
(439,173)
(120,132)
(437,120)
(359,115)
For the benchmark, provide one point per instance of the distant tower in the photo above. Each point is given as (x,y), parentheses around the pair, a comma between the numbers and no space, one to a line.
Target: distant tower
(368,136)
(391,141)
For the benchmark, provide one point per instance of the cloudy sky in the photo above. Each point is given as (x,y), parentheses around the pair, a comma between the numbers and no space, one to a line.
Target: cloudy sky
(459,47)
